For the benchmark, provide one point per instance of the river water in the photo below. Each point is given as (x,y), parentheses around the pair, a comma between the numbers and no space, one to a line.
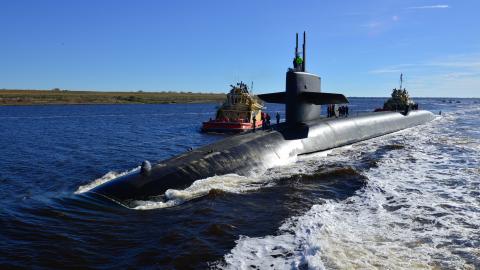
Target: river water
(408,200)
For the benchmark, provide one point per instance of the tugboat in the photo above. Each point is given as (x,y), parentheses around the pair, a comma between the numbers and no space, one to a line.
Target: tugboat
(240,112)
(400,100)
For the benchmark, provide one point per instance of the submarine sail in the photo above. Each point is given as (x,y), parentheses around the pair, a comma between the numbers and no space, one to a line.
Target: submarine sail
(303,96)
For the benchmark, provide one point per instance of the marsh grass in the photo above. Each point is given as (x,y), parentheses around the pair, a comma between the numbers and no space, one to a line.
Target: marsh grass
(56,96)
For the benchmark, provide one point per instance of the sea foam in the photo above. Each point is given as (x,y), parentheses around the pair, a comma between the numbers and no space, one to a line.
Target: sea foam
(419,210)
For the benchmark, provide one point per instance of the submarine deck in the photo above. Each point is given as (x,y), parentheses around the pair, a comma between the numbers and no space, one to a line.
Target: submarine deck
(289,132)
(254,152)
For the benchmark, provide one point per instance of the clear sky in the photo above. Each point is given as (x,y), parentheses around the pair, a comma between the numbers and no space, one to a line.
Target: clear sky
(357,47)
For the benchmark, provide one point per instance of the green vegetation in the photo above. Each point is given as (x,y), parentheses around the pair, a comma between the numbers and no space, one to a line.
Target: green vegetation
(57,96)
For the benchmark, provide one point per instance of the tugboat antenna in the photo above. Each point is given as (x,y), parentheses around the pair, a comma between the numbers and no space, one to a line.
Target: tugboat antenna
(401,80)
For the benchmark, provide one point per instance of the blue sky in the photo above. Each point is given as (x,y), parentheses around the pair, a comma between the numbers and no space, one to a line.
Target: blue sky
(357,47)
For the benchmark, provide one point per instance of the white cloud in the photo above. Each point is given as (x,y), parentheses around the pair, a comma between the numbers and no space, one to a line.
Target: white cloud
(373,24)
(430,7)
(462,62)
(456,64)
(393,69)
(378,26)
(459,75)
(455,75)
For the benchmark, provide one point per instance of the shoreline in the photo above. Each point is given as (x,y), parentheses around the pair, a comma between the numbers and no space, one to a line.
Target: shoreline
(64,97)
(14,97)
(86,104)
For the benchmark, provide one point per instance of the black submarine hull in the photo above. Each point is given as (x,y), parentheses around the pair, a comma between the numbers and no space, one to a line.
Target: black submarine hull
(255,152)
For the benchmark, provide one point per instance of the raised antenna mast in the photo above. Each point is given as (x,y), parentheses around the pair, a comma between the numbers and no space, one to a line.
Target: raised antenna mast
(296,47)
(304,49)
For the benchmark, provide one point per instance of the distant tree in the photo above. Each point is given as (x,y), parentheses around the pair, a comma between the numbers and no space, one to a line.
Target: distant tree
(56,89)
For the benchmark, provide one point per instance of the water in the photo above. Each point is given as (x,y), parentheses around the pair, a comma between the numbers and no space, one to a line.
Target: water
(401,201)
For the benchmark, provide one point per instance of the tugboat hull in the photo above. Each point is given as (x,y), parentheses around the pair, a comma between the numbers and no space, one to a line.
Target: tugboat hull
(228,127)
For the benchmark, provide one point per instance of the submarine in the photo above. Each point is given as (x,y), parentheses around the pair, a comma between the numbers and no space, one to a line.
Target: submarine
(303,132)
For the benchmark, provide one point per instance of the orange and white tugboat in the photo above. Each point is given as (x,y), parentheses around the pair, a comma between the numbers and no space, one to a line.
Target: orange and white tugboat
(240,112)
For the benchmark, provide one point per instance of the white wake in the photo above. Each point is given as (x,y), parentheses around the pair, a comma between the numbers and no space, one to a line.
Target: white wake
(419,210)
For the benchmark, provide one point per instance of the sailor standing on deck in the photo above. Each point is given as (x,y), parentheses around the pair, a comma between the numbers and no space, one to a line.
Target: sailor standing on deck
(278,117)
(264,123)
(297,62)
(330,110)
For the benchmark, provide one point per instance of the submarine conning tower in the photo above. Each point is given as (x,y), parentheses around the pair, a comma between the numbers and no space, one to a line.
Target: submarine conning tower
(302,97)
